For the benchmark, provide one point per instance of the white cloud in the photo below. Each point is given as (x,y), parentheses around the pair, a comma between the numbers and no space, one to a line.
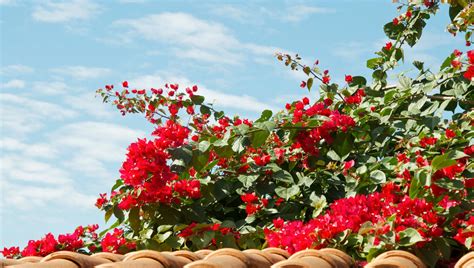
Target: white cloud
(21,115)
(8,2)
(220,99)
(15,69)
(15,83)
(91,105)
(352,51)
(79,153)
(64,11)
(301,12)
(193,38)
(232,12)
(82,72)
(52,88)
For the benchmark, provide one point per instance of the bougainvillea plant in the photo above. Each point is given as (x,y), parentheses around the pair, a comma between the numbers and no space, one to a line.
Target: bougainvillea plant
(364,167)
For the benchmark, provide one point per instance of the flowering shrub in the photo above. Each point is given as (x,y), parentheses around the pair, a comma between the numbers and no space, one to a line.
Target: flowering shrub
(362,167)
(83,239)
(366,168)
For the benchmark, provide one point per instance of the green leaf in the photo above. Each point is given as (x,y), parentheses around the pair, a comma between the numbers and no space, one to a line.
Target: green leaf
(108,214)
(247,180)
(205,109)
(134,218)
(266,114)
(258,138)
(333,155)
(318,203)
(378,176)
(358,81)
(343,144)
(409,237)
(118,213)
(392,31)
(204,146)
(239,144)
(287,193)
(182,153)
(307,70)
(309,83)
(442,161)
(415,187)
(197,99)
(374,63)
(419,65)
(283,176)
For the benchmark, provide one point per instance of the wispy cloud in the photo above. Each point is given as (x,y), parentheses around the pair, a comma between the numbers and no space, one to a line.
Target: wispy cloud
(300,12)
(50,88)
(193,38)
(82,72)
(22,115)
(15,69)
(15,83)
(64,11)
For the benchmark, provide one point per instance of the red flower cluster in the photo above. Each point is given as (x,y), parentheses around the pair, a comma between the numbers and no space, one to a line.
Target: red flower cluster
(428,141)
(49,244)
(309,140)
(352,212)
(466,232)
(195,229)
(356,98)
(146,169)
(253,204)
(116,243)
(469,74)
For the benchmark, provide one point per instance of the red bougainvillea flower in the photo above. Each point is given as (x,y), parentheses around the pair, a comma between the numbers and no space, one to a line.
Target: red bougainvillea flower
(112,242)
(303,84)
(469,74)
(428,141)
(356,98)
(348,79)
(457,53)
(326,79)
(450,134)
(456,64)
(395,21)
(470,56)
(101,200)
(125,84)
(11,252)
(388,46)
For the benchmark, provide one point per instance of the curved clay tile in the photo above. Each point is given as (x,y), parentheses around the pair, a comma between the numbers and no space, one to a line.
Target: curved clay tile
(109,256)
(258,258)
(178,260)
(79,260)
(31,259)
(467,261)
(227,258)
(202,264)
(278,253)
(403,257)
(166,261)
(388,263)
(340,257)
(292,264)
(314,258)
(192,256)
(5,262)
(203,253)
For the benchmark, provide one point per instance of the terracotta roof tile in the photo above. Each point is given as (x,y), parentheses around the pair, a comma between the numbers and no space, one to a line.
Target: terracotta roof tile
(223,258)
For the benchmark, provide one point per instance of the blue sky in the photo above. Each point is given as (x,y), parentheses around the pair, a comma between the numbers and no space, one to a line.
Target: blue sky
(60,147)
